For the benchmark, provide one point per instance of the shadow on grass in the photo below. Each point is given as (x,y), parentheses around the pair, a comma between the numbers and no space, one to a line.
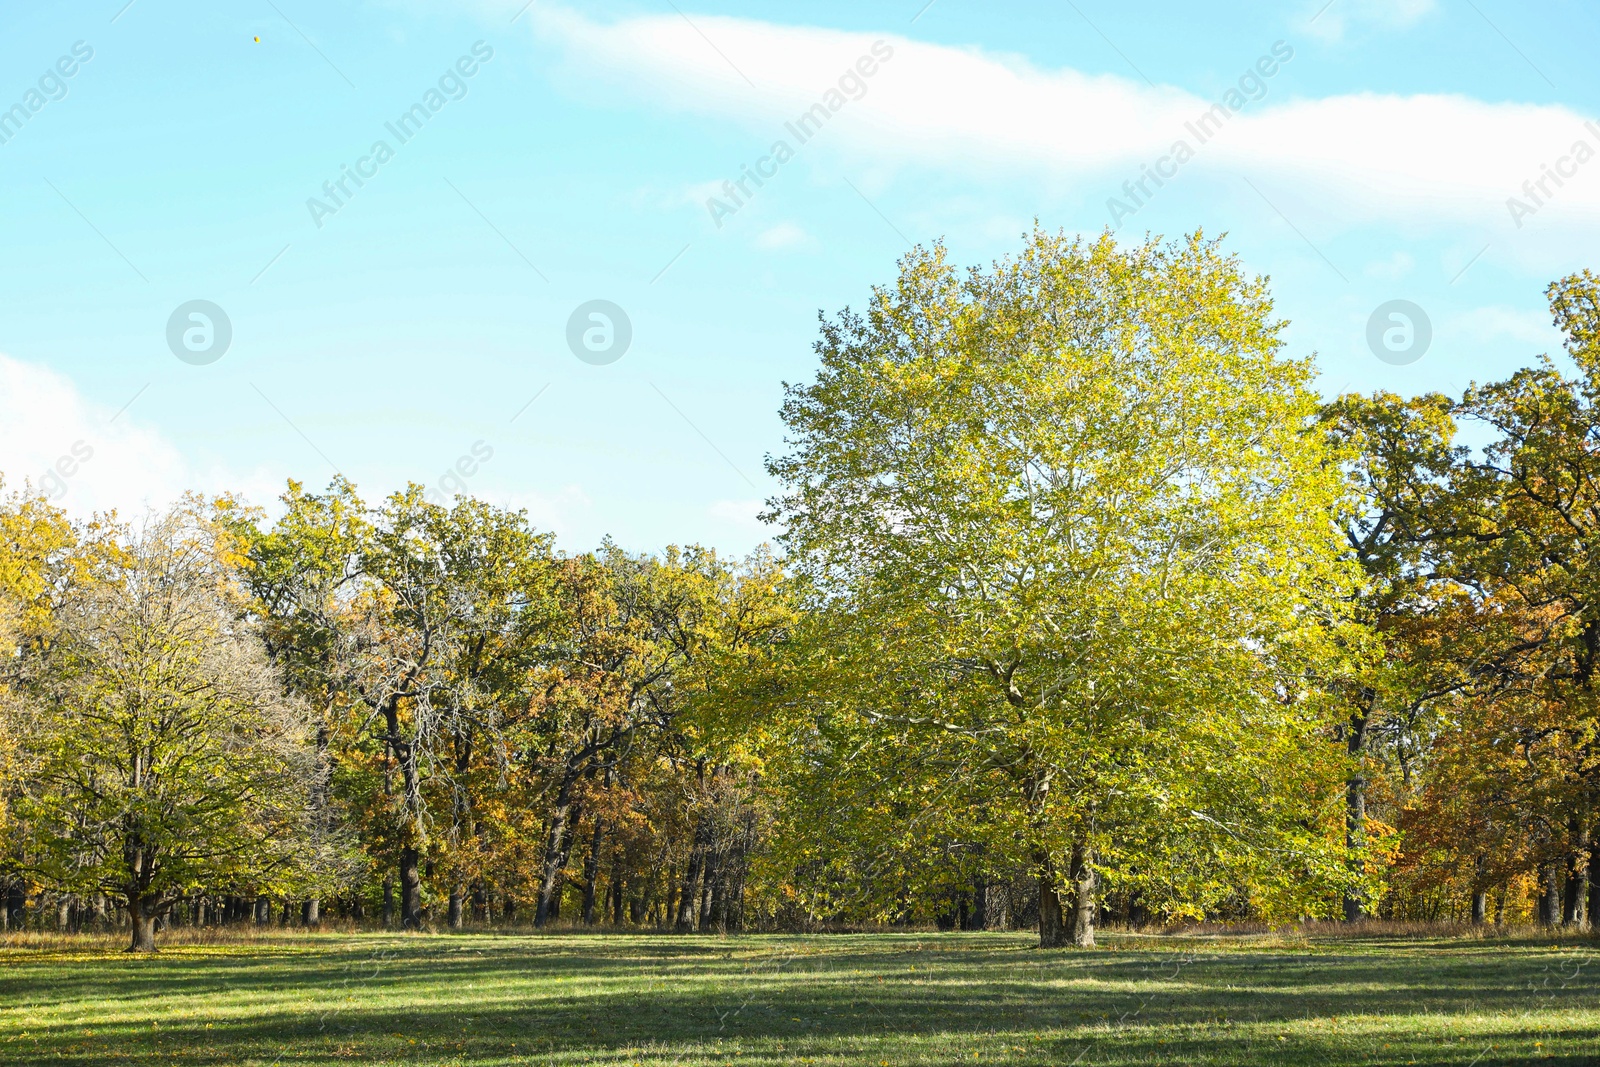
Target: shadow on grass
(483,1000)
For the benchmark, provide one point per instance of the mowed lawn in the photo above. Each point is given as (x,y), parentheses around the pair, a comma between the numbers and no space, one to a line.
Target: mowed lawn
(841,999)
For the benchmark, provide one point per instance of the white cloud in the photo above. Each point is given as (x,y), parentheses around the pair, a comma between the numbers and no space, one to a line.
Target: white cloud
(743,515)
(1532,329)
(89,457)
(1394,268)
(1331,20)
(568,512)
(1368,157)
(783,235)
(82,454)
(698,193)
(927,99)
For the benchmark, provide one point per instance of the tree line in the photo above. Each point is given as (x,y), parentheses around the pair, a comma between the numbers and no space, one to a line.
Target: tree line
(1084,607)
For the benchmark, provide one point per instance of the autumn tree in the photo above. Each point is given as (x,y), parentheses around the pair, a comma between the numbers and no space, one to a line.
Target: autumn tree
(1413,645)
(164,755)
(1068,528)
(1479,567)
(301,575)
(408,621)
(44,560)
(639,643)
(1529,532)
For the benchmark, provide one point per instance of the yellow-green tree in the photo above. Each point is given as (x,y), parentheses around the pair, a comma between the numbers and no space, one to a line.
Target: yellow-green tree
(1070,529)
(164,757)
(46,560)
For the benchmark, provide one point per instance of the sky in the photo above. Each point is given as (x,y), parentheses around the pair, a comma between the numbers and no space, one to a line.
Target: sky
(502,248)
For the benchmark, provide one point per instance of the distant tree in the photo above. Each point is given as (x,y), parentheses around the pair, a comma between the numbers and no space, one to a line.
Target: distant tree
(636,655)
(300,576)
(1481,566)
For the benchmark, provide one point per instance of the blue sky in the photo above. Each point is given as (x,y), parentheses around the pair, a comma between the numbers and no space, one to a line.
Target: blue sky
(392,337)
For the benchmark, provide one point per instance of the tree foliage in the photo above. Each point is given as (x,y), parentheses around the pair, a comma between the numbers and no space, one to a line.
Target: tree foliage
(1085,607)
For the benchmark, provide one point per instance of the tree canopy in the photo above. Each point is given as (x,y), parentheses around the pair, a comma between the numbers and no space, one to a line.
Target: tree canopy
(1082,606)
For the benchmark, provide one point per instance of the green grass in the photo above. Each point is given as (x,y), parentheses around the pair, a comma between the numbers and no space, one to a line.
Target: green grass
(844,999)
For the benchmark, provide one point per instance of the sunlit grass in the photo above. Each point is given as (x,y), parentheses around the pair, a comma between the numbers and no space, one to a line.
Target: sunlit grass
(482,998)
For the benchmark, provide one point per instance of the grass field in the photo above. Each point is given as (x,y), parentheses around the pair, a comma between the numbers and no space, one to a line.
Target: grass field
(843,999)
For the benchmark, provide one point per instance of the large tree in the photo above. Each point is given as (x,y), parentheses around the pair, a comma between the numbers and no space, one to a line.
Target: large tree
(165,757)
(1481,565)
(44,560)
(1069,525)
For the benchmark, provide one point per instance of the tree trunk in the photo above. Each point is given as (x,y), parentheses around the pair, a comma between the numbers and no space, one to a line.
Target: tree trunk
(455,908)
(1355,803)
(1355,834)
(142,914)
(591,870)
(1052,930)
(388,903)
(481,907)
(1084,884)
(1480,907)
(727,898)
(410,889)
(1594,886)
(555,852)
(710,880)
(735,869)
(1550,894)
(311,913)
(405,756)
(689,897)
(1577,889)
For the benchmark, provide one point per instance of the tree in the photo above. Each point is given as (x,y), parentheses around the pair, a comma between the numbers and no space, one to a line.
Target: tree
(639,644)
(409,622)
(44,559)
(1529,533)
(1068,529)
(1400,460)
(165,755)
(1481,566)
